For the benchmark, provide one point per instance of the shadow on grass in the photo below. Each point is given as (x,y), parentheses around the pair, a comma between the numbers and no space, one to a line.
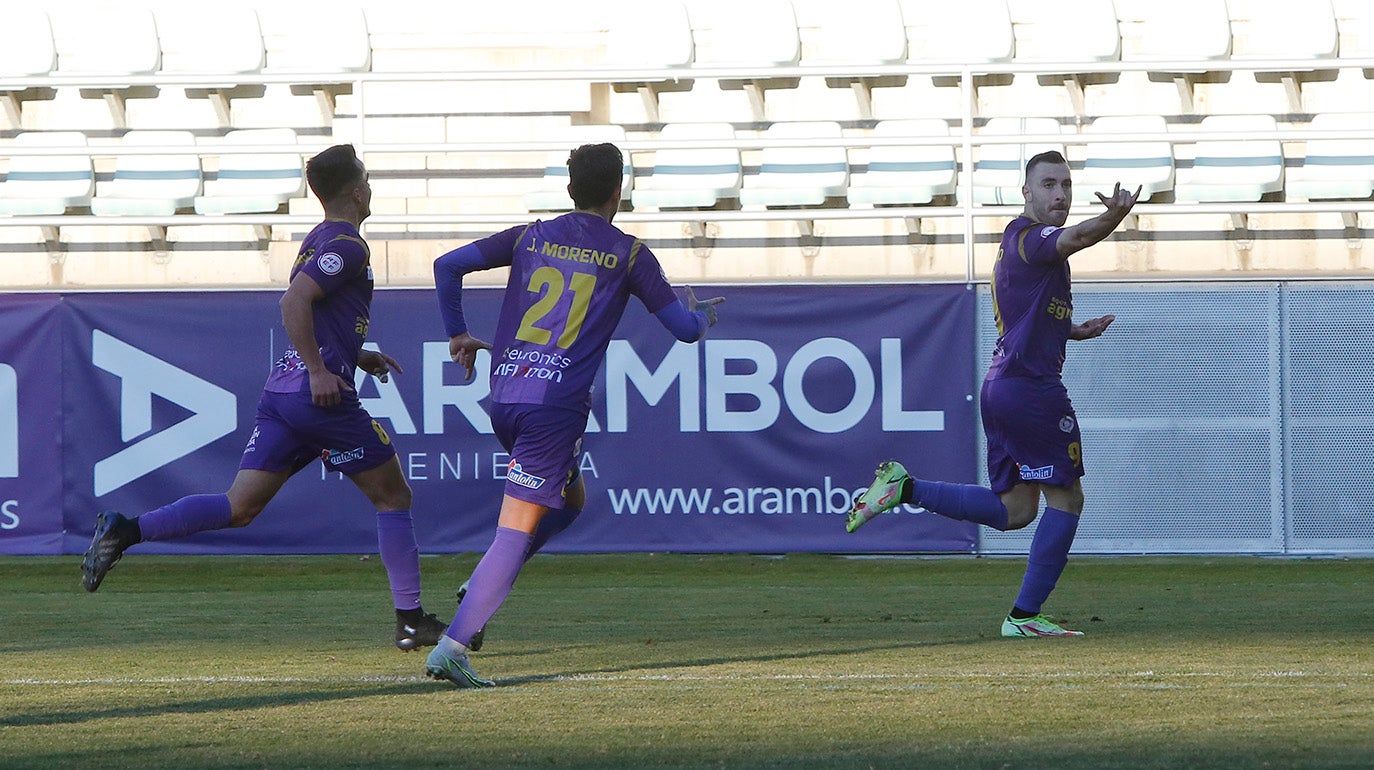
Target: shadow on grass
(226,703)
(723,660)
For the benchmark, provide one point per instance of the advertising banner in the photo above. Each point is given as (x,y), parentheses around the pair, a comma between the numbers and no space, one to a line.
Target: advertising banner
(753,440)
(31,471)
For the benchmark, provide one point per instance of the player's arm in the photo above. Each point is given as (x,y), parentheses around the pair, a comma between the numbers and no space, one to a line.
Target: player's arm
(1089,231)
(449,269)
(688,320)
(297,315)
(1090,329)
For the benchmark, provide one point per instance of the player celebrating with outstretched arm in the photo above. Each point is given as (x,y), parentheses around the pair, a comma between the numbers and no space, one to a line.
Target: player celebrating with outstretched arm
(308,408)
(1034,444)
(570,280)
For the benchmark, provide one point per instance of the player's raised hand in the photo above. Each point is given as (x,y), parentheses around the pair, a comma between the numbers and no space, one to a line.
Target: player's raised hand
(462,348)
(1120,201)
(707,306)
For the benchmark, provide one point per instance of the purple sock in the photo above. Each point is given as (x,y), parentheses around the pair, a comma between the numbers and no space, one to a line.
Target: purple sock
(187,516)
(965,502)
(400,556)
(554,521)
(490,584)
(1049,552)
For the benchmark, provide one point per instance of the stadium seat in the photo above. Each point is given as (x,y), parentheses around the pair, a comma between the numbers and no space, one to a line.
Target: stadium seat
(26,51)
(235,49)
(1067,31)
(651,36)
(291,35)
(43,185)
(1271,30)
(687,177)
(967,32)
(551,194)
(1233,169)
(798,176)
(153,184)
(756,35)
(83,44)
(998,171)
(254,183)
(1176,30)
(906,175)
(1147,164)
(1336,168)
(856,33)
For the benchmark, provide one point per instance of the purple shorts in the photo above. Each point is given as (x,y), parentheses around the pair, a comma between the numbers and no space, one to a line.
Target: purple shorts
(544,443)
(1032,431)
(290,432)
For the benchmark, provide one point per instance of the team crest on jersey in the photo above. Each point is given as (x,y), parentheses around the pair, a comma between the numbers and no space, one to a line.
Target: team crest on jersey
(1066,423)
(330,264)
(515,474)
(1036,474)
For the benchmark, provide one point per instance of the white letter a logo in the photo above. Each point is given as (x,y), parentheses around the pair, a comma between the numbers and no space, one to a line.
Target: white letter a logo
(214,412)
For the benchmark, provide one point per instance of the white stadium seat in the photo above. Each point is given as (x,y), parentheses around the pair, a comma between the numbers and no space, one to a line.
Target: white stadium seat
(154,184)
(551,193)
(1233,169)
(906,175)
(1174,30)
(235,46)
(999,170)
(1145,164)
(687,177)
(969,31)
(1336,168)
(798,176)
(249,183)
(43,185)
(1066,31)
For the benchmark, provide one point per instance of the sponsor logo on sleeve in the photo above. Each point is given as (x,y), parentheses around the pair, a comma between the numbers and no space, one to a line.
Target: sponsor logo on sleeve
(1047,231)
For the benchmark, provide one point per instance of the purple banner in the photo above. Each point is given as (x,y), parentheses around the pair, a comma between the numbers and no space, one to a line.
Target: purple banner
(31,470)
(754,440)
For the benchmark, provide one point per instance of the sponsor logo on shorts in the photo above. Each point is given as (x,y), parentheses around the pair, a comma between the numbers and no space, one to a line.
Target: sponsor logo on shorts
(1066,423)
(1036,474)
(334,457)
(330,264)
(514,473)
(252,441)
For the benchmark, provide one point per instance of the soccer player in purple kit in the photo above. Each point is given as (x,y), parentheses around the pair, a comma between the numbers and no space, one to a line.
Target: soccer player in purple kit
(309,409)
(570,280)
(1034,444)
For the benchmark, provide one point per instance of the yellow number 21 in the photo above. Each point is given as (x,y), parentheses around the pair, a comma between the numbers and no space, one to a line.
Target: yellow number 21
(550,281)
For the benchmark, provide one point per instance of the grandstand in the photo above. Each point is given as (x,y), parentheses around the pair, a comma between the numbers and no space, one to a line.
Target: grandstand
(766,139)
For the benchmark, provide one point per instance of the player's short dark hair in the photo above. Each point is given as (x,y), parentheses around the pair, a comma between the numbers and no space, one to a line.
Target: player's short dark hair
(1048,156)
(595,172)
(333,171)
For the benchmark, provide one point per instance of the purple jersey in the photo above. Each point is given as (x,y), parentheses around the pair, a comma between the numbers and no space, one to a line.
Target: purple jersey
(337,258)
(570,281)
(1031,301)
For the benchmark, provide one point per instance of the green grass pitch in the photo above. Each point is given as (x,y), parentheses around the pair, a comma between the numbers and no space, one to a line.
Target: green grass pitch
(636,661)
